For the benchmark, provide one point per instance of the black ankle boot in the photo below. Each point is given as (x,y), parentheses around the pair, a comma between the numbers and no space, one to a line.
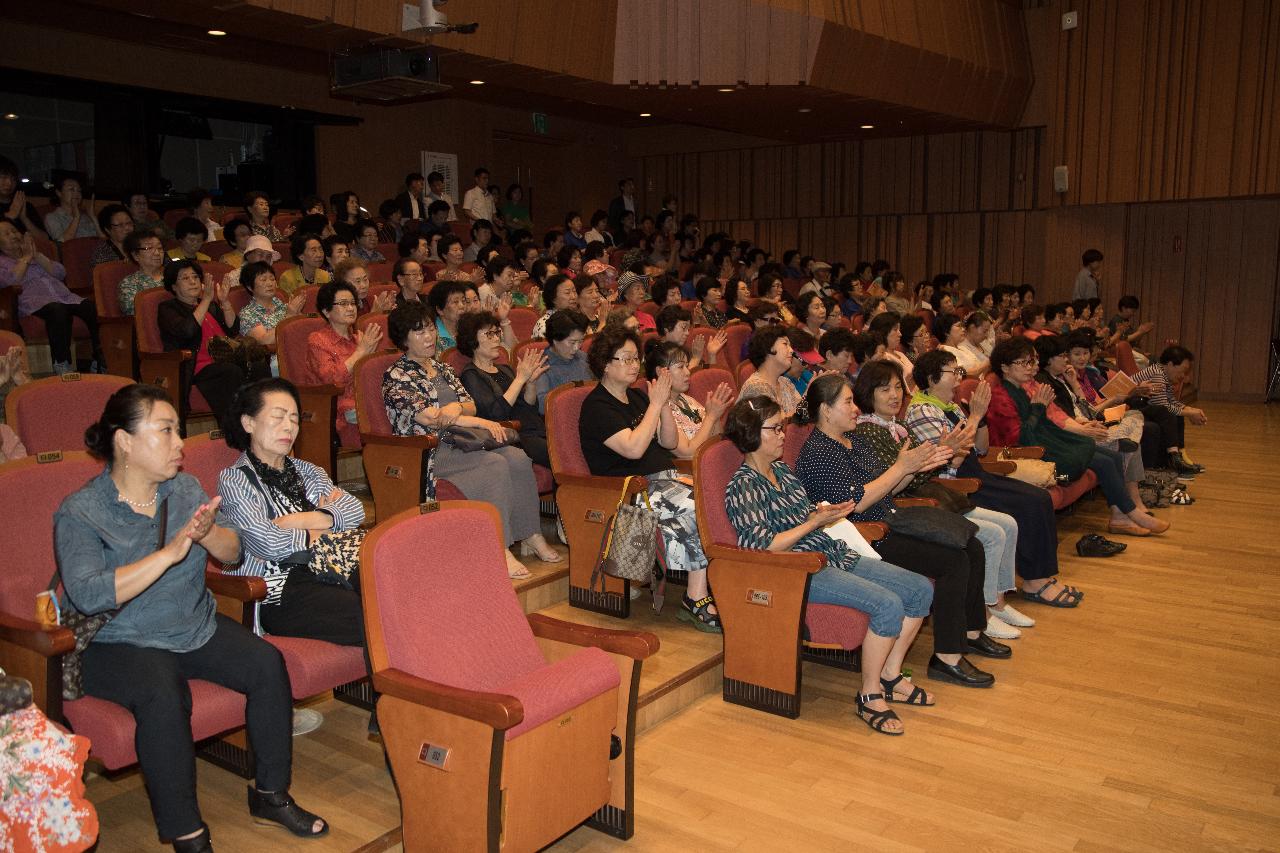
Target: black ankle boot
(199,844)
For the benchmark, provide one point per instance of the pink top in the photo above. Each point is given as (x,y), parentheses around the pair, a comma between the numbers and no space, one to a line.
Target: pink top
(209,329)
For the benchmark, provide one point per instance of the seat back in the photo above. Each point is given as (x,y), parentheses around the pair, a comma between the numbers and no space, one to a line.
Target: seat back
(456,360)
(526,345)
(216,248)
(964,389)
(377,289)
(1124,358)
(371,410)
(53,413)
(205,456)
(713,467)
(522,322)
(736,335)
(309,298)
(291,347)
(564,407)
(793,441)
(76,254)
(745,369)
(106,286)
(364,321)
(31,492)
(704,381)
(438,581)
(145,306)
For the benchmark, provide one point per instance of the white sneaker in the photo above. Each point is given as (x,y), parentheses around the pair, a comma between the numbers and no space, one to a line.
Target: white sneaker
(306,720)
(1010,616)
(998,630)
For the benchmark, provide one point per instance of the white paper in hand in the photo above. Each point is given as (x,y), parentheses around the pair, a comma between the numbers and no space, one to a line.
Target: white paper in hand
(847,532)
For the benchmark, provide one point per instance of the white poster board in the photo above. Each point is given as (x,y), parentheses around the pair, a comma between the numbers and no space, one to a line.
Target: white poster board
(447,165)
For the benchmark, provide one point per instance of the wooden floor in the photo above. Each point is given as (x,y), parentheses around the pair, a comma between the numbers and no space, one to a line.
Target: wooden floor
(1144,720)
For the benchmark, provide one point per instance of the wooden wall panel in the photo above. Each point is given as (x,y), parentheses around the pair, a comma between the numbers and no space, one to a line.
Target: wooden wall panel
(1154,100)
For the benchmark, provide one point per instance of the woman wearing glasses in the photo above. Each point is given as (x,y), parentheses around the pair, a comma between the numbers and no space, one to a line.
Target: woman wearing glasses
(624,433)
(333,351)
(933,413)
(1019,415)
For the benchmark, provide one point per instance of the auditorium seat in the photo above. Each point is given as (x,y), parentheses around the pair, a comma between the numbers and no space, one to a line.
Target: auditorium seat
(53,413)
(702,382)
(520,712)
(522,322)
(317,441)
(761,596)
(157,367)
(75,255)
(115,329)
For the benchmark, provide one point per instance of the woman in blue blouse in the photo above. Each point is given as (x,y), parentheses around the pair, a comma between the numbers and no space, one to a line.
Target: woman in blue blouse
(836,466)
(769,509)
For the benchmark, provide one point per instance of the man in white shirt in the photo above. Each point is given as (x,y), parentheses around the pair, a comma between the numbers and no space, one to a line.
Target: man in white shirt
(435,181)
(478,203)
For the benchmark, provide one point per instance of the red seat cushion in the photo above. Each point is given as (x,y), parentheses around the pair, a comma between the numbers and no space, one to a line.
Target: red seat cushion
(110,727)
(831,624)
(1064,496)
(316,666)
(555,688)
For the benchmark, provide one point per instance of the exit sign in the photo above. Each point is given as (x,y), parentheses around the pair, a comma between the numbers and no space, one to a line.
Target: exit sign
(540,123)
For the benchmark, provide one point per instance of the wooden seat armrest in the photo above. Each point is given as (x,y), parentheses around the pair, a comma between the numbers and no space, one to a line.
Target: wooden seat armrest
(637,645)
(30,634)
(1004,467)
(169,355)
(963,485)
(684,466)
(592,481)
(244,588)
(802,561)
(1028,452)
(906,502)
(116,321)
(422,442)
(872,531)
(498,710)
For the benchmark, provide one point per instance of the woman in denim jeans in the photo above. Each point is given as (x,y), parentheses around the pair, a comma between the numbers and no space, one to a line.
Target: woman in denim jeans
(768,507)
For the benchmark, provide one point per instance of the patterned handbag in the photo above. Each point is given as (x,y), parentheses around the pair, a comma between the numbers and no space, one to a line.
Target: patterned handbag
(631,547)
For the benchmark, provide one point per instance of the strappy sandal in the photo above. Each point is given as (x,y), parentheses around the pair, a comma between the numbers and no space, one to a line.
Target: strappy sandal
(876,720)
(1065,597)
(918,695)
(278,808)
(698,613)
(1180,497)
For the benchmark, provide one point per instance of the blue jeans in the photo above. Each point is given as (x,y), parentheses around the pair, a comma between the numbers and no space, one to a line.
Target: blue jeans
(1109,466)
(883,591)
(998,534)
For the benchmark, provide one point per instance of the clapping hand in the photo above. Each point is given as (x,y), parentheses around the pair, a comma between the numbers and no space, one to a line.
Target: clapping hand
(368,338)
(208,290)
(923,457)
(195,530)
(716,343)
(719,401)
(697,348)
(222,291)
(296,303)
(384,302)
(18,205)
(1043,395)
(660,388)
(532,364)
(826,513)
(28,248)
(980,401)
(11,367)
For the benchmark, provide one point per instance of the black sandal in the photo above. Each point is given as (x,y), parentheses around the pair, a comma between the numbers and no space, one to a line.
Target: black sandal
(876,720)
(918,695)
(1066,597)
(279,808)
(699,614)
(201,843)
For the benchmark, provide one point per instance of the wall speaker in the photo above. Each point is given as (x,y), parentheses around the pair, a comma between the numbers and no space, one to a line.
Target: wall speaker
(1059,179)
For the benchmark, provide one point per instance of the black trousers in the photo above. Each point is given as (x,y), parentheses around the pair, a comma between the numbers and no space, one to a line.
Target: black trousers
(218,382)
(315,610)
(959,604)
(1172,430)
(535,447)
(57,319)
(1031,507)
(152,685)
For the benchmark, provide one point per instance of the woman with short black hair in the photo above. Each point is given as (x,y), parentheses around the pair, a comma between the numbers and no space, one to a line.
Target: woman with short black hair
(332,352)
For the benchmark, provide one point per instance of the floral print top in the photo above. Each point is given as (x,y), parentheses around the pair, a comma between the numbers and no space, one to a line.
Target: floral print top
(254,315)
(408,389)
(42,802)
(133,284)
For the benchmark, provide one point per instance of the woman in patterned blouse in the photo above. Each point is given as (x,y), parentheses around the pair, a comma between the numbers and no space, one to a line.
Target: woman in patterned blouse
(836,464)
(147,252)
(709,292)
(423,396)
(258,208)
(261,315)
(770,351)
(695,424)
(770,511)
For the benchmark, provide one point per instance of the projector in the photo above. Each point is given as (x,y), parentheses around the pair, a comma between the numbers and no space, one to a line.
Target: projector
(387,75)
(426,18)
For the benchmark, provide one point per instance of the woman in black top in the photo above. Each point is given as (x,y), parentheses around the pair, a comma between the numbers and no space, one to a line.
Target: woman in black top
(500,392)
(623,433)
(190,321)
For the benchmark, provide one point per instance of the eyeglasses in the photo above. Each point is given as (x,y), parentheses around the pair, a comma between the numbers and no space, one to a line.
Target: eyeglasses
(959,372)
(1026,362)
(626,359)
(776,429)
(493,334)
(344,303)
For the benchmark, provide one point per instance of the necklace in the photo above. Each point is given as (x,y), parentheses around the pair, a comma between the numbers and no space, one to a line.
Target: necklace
(143,504)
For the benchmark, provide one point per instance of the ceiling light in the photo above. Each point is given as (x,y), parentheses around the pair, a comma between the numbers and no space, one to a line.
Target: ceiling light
(725,89)
(866,126)
(645,115)
(24,180)
(477,82)
(805,110)
(10,116)
(217,32)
